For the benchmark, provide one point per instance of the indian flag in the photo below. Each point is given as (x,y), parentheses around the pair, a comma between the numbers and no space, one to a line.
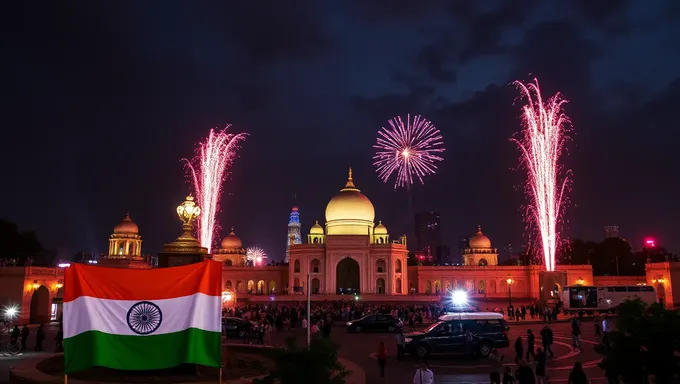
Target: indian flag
(137,319)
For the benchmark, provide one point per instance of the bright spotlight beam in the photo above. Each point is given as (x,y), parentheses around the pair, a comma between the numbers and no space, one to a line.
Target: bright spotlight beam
(459,297)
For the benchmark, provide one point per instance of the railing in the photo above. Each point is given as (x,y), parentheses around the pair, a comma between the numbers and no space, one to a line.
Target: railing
(44,271)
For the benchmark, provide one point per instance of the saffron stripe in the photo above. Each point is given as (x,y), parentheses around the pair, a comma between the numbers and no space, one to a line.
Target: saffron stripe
(193,346)
(142,284)
(111,316)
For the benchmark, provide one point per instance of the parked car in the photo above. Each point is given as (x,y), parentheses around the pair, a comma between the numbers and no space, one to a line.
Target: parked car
(375,323)
(236,326)
(448,335)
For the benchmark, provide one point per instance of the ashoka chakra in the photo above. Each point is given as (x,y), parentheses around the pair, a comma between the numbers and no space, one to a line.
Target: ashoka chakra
(144,318)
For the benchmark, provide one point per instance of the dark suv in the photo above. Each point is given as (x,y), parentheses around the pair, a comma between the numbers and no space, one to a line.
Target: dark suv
(448,335)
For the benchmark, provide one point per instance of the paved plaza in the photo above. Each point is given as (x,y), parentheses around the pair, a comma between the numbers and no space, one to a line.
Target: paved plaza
(360,349)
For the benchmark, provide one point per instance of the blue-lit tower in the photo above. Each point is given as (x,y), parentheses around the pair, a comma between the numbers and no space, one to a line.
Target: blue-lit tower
(294,234)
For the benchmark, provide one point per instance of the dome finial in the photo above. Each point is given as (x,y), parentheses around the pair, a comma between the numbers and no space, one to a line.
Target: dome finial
(350,182)
(232,230)
(479,229)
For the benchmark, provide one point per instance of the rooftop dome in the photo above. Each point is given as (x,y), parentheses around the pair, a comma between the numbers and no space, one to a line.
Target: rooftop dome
(316,229)
(126,226)
(349,212)
(479,240)
(380,229)
(231,241)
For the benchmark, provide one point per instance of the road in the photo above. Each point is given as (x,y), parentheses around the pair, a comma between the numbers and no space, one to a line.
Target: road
(360,348)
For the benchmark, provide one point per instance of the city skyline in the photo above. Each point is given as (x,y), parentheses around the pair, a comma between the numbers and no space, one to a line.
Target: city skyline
(99,128)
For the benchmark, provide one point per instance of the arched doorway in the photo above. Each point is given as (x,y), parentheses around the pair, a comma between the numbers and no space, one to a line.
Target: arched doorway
(347,276)
(272,286)
(261,289)
(380,286)
(40,306)
(397,289)
(316,285)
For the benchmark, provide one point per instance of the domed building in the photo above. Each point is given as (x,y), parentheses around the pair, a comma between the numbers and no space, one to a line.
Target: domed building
(479,252)
(125,242)
(351,254)
(231,251)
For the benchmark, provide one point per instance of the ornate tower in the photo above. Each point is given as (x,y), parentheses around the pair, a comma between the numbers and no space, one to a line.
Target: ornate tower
(479,252)
(125,241)
(294,234)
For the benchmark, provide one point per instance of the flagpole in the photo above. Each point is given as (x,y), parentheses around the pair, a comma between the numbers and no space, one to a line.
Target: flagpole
(65,378)
(309,312)
(220,374)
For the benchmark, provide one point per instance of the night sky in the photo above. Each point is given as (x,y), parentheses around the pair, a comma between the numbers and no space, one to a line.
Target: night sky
(103,99)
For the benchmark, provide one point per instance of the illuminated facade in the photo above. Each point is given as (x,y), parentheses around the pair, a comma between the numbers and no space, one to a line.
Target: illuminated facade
(231,251)
(294,230)
(352,255)
(125,241)
(479,251)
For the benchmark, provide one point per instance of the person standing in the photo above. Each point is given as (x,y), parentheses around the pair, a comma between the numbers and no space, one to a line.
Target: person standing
(605,330)
(496,367)
(423,375)
(24,336)
(519,350)
(39,337)
(577,375)
(575,333)
(524,374)
(531,342)
(401,345)
(547,340)
(382,358)
(540,365)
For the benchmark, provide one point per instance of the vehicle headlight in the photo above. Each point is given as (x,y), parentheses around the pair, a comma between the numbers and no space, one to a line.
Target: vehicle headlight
(349,323)
(408,340)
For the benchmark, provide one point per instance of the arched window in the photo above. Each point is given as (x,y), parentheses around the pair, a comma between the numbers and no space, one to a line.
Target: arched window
(397,266)
(296,266)
(315,265)
(228,263)
(380,266)
(227,286)
(483,263)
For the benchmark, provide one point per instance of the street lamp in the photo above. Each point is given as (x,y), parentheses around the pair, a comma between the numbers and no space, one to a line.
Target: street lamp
(509,281)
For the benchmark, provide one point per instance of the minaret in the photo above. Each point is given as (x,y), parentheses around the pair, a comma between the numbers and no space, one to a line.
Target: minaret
(294,234)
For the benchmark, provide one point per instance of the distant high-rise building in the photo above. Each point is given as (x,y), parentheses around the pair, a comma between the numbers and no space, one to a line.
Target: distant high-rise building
(463,244)
(611,231)
(428,235)
(294,233)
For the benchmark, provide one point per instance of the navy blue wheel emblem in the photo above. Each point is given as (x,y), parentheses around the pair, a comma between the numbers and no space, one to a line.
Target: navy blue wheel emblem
(144,318)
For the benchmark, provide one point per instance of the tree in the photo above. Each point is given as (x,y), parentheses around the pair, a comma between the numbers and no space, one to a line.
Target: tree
(299,365)
(20,246)
(610,257)
(646,341)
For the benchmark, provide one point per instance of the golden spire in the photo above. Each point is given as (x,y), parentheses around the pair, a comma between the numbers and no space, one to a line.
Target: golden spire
(479,229)
(350,183)
(232,230)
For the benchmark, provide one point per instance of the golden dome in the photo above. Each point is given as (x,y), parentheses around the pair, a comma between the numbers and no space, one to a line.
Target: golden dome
(380,229)
(349,212)
(316,229)
(231,241)
(126,226)
(479,240)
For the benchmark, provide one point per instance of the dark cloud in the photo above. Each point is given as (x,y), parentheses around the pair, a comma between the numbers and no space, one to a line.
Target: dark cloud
(608,16)
(393,9)
(437,59)
(273,30)
(486,29)
(384,107)
(559,54)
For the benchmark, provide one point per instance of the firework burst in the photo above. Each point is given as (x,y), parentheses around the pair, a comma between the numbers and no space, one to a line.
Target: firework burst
(206,172)
(541,142)
(411,150)
(255,254)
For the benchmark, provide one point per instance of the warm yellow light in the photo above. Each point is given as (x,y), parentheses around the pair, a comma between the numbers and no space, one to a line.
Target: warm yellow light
(59,285)
(35,284)
(653,281)
(509,280)
(188,210)
(226,296)
(579,281)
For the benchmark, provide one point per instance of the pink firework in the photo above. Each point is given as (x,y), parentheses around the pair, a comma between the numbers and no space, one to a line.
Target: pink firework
(541,143)
(206,173)
(409,150)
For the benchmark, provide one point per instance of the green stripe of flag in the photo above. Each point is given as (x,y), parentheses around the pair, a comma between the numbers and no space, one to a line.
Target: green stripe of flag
(94,348)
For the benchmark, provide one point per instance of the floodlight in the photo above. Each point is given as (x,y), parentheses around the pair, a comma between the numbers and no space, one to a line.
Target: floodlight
(459,297)
(11,312)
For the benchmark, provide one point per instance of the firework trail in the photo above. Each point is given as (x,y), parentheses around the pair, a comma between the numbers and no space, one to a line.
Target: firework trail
(541,142)
(255,254)
(409,150)
(206,173)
